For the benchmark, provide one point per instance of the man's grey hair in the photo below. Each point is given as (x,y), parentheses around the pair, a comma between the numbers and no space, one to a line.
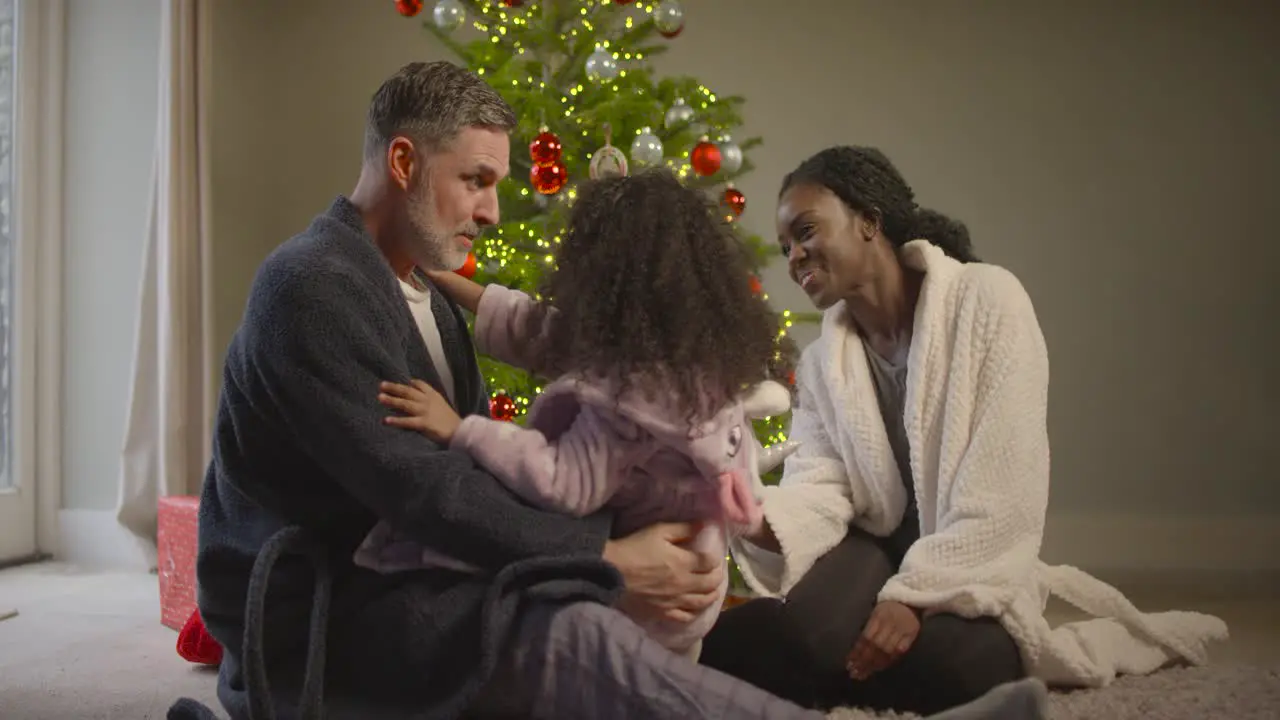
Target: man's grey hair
(430,103)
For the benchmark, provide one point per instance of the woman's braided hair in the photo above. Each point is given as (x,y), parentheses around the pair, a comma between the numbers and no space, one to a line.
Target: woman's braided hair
(868,183)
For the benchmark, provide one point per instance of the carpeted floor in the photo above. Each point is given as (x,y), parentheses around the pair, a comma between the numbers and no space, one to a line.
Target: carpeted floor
(1225,692)
(90,645)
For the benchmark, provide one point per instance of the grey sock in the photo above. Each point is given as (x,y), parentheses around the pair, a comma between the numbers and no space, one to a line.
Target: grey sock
(1025,699)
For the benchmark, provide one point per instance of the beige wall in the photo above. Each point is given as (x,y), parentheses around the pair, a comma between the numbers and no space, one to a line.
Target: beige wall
(1119,157)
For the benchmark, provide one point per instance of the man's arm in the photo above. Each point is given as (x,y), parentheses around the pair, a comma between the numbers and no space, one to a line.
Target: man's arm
(320,341)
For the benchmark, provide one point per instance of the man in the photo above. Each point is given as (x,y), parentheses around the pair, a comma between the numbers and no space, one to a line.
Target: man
(300,443)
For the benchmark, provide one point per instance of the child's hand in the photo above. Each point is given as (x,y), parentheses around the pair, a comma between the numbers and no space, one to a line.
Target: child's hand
(739,504)
(425,410)
(890,632)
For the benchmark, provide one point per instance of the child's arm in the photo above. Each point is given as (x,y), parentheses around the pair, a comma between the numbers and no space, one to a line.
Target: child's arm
(464,291)
(507,321)
(577,473)
(511,327)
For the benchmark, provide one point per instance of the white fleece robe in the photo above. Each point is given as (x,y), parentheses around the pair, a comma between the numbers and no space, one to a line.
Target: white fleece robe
(976,405)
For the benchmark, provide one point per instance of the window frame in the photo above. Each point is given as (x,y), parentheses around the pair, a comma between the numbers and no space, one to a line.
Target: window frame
(39,82)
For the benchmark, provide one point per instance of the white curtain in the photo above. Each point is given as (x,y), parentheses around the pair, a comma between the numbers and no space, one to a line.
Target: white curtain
(167,434)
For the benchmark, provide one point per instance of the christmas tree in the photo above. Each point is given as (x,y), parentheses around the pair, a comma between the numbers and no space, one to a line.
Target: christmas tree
(578,74)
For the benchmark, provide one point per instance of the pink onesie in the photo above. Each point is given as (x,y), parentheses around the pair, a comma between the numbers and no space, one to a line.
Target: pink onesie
(586,448)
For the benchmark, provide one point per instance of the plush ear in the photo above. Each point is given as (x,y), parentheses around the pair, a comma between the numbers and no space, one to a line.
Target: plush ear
(767,399)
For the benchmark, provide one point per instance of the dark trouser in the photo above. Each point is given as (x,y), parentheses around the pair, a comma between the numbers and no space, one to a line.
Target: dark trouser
(796,649)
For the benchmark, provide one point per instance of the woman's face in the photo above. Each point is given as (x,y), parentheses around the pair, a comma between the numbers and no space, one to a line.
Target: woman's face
(828,246)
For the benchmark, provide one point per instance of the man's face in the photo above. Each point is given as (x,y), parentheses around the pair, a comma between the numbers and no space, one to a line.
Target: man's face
(456,197)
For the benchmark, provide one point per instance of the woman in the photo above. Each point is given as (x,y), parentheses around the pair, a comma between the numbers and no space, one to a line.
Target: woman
(899,560)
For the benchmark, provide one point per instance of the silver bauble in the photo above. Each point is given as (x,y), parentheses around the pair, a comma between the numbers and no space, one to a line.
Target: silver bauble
(730,155)
(678,113)
(668,17)
(449,15)
(646,149)
(600,66)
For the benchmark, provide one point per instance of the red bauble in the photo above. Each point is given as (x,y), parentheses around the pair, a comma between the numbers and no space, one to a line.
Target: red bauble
(705,158)
(791,378)
(734,198)
(756,287)
(408,8)
(623,2)
(502,407)
(545,149)
(548,179)
(468,269)
(513,3)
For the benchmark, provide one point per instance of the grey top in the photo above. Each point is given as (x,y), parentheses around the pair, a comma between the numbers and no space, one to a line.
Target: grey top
(890,379)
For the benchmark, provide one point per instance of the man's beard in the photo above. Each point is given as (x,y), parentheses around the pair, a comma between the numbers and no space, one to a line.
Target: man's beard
(432,249)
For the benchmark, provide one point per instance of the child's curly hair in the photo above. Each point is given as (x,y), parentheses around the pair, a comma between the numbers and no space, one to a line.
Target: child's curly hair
(650,283)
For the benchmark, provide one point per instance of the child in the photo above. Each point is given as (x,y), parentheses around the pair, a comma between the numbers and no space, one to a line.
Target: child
(651,336)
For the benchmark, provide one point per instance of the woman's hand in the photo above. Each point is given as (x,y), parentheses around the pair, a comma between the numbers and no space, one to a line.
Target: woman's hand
(663,578)
(425,410)
(890,632)
(763,537)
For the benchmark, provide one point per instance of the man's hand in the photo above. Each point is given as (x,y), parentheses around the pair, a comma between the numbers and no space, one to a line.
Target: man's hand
(425,410)
(890,632)
(664,578)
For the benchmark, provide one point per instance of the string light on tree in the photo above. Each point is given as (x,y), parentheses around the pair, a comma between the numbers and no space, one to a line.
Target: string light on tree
(408,8)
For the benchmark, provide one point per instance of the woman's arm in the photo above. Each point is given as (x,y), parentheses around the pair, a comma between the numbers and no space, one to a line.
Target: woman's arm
(809,512)
(992,512)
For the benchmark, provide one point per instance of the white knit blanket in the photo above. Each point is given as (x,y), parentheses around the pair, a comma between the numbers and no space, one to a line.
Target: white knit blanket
(976,404)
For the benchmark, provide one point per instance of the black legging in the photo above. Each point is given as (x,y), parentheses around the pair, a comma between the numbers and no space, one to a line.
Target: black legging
(797,649)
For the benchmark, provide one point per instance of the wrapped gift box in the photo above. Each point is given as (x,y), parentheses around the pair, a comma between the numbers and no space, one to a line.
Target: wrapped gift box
(176,558)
